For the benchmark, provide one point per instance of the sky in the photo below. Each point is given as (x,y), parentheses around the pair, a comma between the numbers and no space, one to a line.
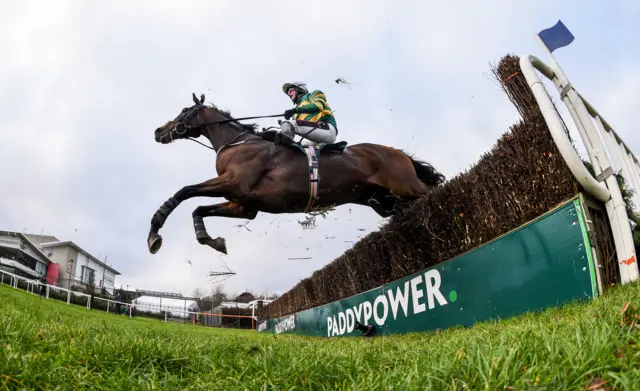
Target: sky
(83,86)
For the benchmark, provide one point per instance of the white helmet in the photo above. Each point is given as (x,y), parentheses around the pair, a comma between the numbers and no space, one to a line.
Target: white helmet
(299,85)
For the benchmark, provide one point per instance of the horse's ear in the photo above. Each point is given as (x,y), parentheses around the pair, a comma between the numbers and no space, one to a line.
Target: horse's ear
(202,99)
(195,98)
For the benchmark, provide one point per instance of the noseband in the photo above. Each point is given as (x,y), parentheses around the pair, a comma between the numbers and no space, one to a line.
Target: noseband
(194,110)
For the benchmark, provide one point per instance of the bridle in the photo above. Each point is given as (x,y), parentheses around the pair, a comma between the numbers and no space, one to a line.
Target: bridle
(195,110)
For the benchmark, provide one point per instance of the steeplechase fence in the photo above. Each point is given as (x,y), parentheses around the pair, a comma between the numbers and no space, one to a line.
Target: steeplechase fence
(571,252)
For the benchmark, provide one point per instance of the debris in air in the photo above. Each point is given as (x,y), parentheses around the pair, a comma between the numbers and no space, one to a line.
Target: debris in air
(244,225)
(340,80)
(309,222)
(222,275)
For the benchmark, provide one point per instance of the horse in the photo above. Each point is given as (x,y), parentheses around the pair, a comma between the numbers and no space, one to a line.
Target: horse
(257,175)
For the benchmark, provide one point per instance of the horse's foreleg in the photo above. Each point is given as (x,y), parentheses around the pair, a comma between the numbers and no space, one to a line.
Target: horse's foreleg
(216,187)
(225,209)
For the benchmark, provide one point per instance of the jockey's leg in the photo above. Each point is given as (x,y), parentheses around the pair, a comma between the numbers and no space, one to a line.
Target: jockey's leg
(289,128)
(312,131)
(316,133)
(287,132)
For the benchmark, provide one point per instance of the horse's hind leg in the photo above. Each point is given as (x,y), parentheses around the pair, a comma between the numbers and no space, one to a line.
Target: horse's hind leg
(381,201)
(399,177)
(225,209)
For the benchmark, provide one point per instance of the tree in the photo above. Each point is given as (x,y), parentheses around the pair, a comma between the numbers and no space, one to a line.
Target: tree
(214,299)
(218,295)
(197,293)
(272,296)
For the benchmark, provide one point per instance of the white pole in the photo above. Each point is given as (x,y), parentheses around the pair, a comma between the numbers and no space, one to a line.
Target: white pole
(554,64)
(609,193)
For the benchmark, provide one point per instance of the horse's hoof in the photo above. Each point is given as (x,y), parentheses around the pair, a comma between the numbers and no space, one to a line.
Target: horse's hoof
(219,245)
(154,242)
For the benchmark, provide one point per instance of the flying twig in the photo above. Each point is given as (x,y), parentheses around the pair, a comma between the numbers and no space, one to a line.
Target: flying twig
(343,81)
(310,221)
(222,279)
(220,274)
(244,225)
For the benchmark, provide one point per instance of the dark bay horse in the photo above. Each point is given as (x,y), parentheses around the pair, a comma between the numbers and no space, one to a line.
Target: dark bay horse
(256,175)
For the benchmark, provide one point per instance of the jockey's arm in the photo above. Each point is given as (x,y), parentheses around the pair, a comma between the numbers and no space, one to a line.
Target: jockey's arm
(317,104)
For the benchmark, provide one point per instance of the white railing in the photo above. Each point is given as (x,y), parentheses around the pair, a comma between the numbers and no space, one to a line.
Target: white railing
(172,311)
(32,283)
(607,153)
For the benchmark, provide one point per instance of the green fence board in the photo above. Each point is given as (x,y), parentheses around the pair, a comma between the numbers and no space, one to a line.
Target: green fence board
(544,263)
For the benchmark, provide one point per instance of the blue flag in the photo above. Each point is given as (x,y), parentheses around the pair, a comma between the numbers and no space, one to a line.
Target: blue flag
(556,37)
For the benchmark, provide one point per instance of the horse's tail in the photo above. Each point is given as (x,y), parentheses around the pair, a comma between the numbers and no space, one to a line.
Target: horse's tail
(425,172)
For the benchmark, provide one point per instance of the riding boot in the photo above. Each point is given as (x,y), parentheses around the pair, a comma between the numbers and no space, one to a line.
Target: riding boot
(286,134)
(282,138)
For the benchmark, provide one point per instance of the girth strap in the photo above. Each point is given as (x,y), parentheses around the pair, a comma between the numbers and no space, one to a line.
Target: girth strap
(314,178)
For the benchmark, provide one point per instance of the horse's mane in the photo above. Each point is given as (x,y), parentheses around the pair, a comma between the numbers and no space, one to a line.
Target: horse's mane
(251,128)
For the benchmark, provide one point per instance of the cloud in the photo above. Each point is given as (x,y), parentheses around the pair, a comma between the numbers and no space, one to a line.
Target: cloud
(84,85)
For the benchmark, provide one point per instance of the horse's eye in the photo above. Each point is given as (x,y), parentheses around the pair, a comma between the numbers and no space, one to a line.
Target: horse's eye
(185,109)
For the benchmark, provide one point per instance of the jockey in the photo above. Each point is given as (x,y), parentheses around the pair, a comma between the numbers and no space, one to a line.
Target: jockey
(312,117)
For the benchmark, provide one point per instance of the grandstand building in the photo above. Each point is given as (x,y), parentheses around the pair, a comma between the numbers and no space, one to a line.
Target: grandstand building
(20,256)
(64,263)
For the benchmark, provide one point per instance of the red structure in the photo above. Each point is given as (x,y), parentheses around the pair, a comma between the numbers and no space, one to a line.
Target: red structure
(52,273)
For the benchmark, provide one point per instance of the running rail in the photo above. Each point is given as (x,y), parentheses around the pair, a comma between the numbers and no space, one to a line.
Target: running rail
(604,186)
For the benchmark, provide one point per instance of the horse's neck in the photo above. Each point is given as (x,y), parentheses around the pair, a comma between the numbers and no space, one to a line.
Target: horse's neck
(220,135)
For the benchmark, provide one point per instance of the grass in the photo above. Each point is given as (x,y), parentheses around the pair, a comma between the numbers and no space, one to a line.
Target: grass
(45,344)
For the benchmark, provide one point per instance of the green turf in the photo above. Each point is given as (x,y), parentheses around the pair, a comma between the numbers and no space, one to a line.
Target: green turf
(47,344)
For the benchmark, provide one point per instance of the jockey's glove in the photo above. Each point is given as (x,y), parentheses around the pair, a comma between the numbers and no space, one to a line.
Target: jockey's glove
(289,113)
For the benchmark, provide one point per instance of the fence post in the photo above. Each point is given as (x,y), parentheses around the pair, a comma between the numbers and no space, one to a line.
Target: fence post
(604,187)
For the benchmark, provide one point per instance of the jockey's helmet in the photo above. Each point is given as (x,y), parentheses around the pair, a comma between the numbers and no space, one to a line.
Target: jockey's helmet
(301,87)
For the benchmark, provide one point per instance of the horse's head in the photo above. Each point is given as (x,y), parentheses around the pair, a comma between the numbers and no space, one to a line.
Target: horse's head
(185,125)
(192,120)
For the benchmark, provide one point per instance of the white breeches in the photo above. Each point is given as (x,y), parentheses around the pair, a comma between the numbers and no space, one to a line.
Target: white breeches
(310,134)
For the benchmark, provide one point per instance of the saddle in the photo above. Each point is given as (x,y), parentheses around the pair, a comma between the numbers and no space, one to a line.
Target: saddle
(325,148)
(311,152)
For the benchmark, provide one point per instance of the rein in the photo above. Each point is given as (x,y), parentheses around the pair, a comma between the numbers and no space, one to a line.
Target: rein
(223,121)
